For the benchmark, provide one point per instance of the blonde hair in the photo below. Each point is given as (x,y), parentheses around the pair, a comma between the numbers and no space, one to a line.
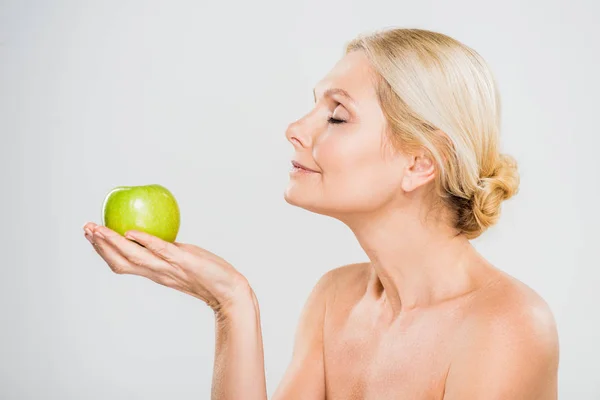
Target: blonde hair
(439,94)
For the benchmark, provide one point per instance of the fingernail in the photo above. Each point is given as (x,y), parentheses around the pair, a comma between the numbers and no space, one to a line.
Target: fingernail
(129,235)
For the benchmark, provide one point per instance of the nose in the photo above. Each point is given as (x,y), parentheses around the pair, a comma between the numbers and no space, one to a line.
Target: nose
(298,134)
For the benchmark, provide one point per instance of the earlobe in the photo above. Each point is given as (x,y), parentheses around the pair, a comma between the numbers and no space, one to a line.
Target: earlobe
(407,184)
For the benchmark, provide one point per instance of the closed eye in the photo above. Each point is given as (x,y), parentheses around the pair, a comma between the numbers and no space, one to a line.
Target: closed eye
(332,120)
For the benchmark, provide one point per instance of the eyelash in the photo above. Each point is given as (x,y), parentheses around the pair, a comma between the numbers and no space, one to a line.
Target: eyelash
(332,120)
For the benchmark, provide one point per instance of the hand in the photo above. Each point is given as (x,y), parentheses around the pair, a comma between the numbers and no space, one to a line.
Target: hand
(184,267)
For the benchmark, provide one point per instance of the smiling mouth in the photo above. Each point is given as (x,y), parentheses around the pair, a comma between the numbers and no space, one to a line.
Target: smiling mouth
(299,167)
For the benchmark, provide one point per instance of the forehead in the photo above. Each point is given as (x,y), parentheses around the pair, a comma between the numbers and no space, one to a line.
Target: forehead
(352,73)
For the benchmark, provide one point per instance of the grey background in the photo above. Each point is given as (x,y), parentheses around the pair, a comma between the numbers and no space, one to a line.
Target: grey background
(196,96)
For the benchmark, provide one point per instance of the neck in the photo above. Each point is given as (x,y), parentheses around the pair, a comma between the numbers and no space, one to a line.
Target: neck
(416,264)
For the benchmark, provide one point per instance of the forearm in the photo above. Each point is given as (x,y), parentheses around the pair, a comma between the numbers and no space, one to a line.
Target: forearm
(239,372)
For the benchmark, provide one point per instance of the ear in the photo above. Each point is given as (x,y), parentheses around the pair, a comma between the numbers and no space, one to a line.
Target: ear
(419,171)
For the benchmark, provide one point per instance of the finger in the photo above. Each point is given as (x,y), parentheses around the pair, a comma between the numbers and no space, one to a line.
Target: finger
(89,225)
(88,237)
(163,249)
(89,228)
(117,263)
(121,266)
(137,256)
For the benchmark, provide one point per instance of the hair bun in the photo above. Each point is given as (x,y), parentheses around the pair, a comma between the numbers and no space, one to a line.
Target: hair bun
(501,185)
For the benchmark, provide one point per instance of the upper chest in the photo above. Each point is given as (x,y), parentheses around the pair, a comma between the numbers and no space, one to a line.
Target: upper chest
(367,357)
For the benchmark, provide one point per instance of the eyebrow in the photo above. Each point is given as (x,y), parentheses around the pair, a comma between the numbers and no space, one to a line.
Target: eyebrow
(333,91)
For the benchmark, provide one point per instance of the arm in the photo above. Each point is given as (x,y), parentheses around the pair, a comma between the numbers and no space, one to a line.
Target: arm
(305,376)
(239,361)
(239,371)
(239,366)
(507,358)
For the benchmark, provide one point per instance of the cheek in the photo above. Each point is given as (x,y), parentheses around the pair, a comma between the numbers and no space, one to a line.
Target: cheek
(333,155)
(356,173)
(341,152)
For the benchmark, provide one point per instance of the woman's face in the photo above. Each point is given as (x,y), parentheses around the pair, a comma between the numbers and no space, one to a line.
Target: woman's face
(356,171)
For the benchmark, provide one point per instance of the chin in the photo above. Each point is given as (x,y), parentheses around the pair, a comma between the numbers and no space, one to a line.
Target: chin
(309,203)
(343,208)
(292,197)
(295,198)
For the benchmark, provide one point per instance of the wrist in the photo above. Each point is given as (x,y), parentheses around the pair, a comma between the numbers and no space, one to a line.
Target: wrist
(241,302)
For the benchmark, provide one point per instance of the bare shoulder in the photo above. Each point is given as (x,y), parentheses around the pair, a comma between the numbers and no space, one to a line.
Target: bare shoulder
(352,278)
(351,273)
(305,376)
(511,306)
(508,348)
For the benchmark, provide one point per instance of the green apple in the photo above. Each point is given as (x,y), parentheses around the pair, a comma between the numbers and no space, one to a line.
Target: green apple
(148,208)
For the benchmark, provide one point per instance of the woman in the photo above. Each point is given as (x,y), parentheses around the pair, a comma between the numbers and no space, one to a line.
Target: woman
(402,147)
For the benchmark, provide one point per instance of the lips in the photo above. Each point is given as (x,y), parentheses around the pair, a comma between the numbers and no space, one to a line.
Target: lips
(300,166)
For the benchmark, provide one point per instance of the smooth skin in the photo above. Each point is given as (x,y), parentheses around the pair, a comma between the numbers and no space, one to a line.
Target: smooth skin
(426,318)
